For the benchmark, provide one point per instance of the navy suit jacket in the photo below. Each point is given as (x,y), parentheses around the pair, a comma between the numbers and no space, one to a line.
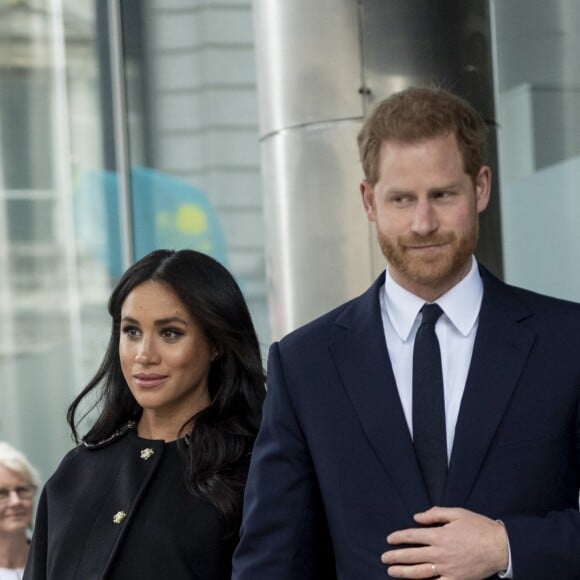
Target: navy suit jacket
(334,460)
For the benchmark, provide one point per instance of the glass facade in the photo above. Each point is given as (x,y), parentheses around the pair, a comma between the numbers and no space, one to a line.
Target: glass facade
(538,104)
(129,125)
(51,298)
(125,126)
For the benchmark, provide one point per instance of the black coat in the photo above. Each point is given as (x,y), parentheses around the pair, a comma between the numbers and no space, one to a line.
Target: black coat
(120,510)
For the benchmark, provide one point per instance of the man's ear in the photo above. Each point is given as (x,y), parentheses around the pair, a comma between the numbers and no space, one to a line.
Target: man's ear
(368,198)
(483,188)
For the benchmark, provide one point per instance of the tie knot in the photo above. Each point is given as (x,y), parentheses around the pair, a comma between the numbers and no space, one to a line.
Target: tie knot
(431,313)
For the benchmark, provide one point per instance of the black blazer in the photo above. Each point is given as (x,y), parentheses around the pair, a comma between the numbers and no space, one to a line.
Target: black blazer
(121,510)
(334,448)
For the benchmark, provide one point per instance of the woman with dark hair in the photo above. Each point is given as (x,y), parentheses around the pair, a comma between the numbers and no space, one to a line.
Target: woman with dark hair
(154,490)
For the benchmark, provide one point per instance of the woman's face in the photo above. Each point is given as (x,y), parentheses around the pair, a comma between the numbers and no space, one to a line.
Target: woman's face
(165,355)
(16,499)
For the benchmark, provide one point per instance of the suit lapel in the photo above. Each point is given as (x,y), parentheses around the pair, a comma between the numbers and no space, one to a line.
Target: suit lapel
(361,357)
(500,352)
(501,349)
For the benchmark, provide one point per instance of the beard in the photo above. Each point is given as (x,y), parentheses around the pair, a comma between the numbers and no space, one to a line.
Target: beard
(441,270)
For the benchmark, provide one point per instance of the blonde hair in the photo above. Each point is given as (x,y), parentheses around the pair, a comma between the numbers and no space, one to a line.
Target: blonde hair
(16,461)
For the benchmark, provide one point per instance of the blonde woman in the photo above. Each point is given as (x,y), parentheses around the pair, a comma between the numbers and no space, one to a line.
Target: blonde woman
(18,484)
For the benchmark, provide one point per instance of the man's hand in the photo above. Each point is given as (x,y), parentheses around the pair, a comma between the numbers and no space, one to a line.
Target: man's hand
(463,545)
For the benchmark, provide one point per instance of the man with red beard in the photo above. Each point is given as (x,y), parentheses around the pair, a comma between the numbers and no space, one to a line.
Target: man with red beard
(431,427)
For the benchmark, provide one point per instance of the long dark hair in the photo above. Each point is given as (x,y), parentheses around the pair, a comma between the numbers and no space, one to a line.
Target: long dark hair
(223,432)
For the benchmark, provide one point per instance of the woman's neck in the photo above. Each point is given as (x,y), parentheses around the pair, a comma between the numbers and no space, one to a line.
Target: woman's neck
(153,428)
(13,551)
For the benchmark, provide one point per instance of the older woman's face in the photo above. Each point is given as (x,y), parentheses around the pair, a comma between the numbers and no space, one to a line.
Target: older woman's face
(16,499)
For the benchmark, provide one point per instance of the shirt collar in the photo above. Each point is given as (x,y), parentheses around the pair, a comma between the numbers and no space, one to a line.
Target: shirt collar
(460,304)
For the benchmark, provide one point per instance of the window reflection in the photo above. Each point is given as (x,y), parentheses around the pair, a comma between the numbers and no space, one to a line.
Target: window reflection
(193,134)
(194,174)
(536,48)
(47,61)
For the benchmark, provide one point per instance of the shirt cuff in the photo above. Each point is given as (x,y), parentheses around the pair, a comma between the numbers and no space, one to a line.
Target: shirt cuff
(509,572)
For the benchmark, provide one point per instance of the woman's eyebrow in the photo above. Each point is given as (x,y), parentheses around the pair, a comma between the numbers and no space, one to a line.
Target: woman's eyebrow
(159,322)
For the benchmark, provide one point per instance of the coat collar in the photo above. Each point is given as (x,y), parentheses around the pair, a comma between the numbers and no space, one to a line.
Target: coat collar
(501,348)
(120,432)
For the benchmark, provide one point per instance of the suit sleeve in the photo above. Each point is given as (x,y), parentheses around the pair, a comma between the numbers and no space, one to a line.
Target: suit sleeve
(37,555)
(547,547)
(281,528)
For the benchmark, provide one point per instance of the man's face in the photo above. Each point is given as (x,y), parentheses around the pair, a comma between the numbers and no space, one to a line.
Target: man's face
(426,212)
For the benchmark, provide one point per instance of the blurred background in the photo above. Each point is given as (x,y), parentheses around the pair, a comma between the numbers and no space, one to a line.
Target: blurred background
(230,127)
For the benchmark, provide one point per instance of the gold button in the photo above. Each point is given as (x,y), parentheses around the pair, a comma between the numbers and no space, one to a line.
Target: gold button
(146,453)
(119,517)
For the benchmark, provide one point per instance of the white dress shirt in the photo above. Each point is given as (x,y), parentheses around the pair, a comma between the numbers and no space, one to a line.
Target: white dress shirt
(455,329)
(11,573)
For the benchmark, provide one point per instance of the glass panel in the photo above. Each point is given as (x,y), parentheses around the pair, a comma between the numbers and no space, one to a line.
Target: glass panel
(537,43)
(193,135)
(192,124)
(53,281)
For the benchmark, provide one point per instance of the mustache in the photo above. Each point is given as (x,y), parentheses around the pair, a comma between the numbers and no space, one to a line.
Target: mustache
(419,241)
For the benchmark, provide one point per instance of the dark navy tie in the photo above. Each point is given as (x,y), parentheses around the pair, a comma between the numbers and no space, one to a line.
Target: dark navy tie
(429,404)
